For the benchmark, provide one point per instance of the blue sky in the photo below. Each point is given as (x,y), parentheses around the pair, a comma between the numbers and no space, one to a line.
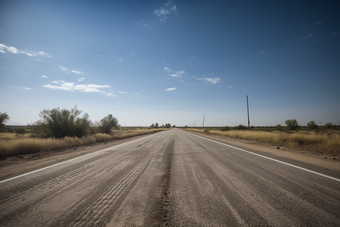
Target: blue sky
(172,61)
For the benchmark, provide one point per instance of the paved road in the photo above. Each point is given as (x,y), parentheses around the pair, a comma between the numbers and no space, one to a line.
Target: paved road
(171,178)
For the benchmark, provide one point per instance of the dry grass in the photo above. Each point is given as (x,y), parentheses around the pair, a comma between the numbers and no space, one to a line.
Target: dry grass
(324,142)
(12,144)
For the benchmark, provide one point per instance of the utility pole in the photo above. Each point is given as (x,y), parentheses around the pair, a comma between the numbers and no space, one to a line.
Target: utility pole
(248,113)
(203,121)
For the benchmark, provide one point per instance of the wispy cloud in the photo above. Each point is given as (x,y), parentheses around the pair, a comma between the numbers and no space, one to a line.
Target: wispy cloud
(307,36)
(81,79)
(165,10)
(317,23)
(146,24)
(77,72)
(70,86)
(167,69)
(122,92)
(111,94)
(212,80)
(137,93)
(44,76)
(177,74)
(333,34)
(262,52)
(170,89)
(66,70)
(13,50)
(27,88)
(63,68)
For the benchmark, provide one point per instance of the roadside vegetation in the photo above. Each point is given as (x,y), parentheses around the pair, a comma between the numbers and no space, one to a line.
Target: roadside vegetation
(322,139)
(60,129)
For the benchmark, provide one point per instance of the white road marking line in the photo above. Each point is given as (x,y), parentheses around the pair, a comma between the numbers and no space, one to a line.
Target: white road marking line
(272,159)
(47,167)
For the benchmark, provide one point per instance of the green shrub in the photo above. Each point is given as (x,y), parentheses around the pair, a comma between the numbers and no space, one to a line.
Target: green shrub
(329,125)
(292,124)
(59,123)
(278,127)
(19,131)
(312,125)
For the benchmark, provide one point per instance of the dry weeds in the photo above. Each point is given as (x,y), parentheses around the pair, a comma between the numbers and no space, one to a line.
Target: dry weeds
(12,144)
(324,142)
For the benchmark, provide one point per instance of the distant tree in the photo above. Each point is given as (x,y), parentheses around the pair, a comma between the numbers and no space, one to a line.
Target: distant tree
(328,125)
(107,124)
(59,123)
(3,119)
(167,125)
(241,127)
(292,124)
(226,128)
(174,126)
(156,125)
(152,125)
(278,127)
(162,125)
(20,131)
(312,125)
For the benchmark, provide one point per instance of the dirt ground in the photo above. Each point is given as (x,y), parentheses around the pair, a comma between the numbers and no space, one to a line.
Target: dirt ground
(19,164)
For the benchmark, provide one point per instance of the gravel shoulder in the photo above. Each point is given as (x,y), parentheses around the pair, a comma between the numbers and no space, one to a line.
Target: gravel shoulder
(329,161)
(19,164)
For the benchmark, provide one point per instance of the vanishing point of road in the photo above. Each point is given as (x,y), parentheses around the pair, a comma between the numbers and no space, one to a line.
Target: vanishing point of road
(172,178)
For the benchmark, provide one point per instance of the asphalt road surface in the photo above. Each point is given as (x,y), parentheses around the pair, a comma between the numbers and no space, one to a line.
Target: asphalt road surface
(171,178)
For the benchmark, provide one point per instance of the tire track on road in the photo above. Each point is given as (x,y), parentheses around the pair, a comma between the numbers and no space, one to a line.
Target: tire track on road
(94,214)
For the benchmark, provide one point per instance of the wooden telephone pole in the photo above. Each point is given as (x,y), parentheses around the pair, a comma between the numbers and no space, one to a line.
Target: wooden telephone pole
(248,113)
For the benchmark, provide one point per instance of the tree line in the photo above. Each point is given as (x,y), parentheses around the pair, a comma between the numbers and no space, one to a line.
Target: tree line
(59,123)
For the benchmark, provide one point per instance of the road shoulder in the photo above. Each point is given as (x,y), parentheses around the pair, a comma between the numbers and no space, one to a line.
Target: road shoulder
(326,161)
(19,164)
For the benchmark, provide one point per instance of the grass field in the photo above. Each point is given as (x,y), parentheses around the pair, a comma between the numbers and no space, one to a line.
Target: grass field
(16,144)
(324,141)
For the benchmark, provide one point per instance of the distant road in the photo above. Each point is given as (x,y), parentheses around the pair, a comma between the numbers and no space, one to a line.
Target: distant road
(171,178)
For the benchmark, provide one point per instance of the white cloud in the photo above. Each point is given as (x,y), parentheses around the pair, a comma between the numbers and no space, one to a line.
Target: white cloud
(63,68)
(122,92)
(81,79)
(111,94)
(43,76)
(119,59)
(14,50)
(307,36)
(229,86)
(137,93)
(180,72)
(263,52)
(70,86)
(163,12)
(175,75)
(56,82)
(167,69)
(77,72)
(211,79)
(170,89)
(26,88)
